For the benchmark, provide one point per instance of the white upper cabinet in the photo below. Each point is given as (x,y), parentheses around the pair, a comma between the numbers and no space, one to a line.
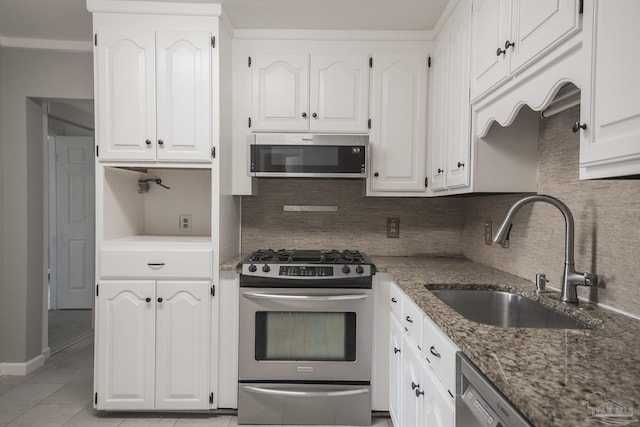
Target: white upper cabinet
(508,35)
(310,93)
(153,95)
(398,124)
(610,111)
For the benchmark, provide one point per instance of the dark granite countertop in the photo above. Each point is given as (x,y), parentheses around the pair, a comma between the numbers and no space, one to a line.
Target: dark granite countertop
(546,373)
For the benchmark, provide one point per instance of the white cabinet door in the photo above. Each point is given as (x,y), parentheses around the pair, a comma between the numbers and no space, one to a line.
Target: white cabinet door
(398,115)
(183,61)
(438,114)
(280,92)
(609,145)
(395,370)
(538,25)
(125,344)
(125,92)
(339,93)
(439,408)
(490,29)
(182,345)
(412,388)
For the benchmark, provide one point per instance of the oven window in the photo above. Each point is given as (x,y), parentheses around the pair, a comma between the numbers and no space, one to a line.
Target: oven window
(306,336)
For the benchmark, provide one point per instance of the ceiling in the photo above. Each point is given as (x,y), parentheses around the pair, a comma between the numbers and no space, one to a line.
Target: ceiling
(69,19)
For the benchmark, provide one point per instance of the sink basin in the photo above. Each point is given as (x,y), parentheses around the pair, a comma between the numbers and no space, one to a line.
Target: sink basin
(506,309)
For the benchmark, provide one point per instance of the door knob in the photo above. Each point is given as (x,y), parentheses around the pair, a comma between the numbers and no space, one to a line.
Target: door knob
(304,115)
(577,126)
(160,142)
(159,299)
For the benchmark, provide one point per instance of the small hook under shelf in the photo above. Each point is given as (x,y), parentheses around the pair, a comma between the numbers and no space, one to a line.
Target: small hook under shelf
(143,184)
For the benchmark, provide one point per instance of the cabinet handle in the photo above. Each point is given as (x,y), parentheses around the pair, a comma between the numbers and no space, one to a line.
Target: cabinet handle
(433,351)
(396,350)
(147,299)
(577,126)
(500,52)
(160,142)
(414,385)
(304,115)
(156,265)
(440,170)
(393,300)
(409,319)
(159,299)
(419,393)
(314,115)
(460,164)
(508,44)
(148,142)
(376,174)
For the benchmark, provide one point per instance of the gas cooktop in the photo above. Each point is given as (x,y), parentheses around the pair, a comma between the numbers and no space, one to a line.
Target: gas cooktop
(322,256)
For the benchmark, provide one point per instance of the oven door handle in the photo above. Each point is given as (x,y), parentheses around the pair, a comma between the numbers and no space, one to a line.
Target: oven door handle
(284,297)
(292,393)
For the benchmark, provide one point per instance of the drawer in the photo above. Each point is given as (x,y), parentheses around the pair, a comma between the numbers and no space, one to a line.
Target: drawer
(441,353)
(412,319)
(115,263)
(395,299)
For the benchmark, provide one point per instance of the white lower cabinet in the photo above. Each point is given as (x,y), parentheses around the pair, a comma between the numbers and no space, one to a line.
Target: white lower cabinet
(412,386)
(439,408)
(152,345)
(395,370)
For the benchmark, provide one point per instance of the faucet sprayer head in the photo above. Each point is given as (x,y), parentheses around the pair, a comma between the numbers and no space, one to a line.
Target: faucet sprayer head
(502,235)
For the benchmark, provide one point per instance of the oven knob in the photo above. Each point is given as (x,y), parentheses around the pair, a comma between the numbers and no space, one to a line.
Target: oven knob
(359,269)
(266,268)
(252,268)
(346,269)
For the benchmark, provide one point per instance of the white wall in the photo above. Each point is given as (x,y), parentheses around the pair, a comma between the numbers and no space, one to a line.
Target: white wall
(24,74)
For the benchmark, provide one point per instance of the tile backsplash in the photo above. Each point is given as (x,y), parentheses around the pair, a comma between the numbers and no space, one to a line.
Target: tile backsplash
(606,212)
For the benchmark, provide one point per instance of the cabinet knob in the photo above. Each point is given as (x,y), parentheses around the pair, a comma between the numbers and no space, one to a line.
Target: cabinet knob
(147,299)
(376,174)
(577,126)
(148,142)
(304,115)
(159,299)
(508,44)
(396,350)
(460,164)
(440,170)
(500,52)
(414,385)
(160,142)
(419,392)
(314,115)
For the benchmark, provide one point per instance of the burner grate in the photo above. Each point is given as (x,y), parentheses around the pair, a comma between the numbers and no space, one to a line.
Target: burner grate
(308,256)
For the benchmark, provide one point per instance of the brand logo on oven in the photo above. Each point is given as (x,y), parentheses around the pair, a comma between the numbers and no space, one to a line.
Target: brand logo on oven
(355,150)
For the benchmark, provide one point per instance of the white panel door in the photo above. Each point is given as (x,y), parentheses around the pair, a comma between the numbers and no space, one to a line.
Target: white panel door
(538,25)
(339,93)
(183,61)
(125,336)
(438,112)
(182,345)
(490,29)
(126,102)
(399,117)
(75,223)
(395,370)
(439,409)
(280,92)
(610,144)
(412,386)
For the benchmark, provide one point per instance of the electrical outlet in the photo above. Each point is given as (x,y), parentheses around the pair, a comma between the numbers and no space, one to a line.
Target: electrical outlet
(393,227)
(184,223)
(488,233)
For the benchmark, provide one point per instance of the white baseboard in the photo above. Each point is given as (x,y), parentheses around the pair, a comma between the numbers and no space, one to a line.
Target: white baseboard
(22,368)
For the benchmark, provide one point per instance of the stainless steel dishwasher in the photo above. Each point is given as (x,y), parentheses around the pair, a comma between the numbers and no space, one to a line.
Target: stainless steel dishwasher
(479,402)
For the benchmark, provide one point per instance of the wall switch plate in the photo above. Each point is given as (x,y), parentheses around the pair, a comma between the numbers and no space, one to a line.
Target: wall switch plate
(393,227)
(488,240)
(184,222)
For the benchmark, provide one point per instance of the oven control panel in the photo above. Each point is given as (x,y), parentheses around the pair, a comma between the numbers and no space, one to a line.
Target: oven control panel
(305,270)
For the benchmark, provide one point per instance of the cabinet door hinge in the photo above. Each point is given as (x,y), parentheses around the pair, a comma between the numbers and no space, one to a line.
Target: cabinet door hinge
(97,291)
(369,123)
(213,152)
(95,39)
(249,121)
(97,151)
(429,62)
(95,399)
(371,62)
(213,290)
(249,62)
(426,182)
(211,399)
(213,41)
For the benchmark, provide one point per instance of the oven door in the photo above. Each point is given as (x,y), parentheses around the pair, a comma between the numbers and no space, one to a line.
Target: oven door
(305,334)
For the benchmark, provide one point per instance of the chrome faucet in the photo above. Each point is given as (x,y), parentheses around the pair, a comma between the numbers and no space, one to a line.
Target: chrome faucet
(571,278)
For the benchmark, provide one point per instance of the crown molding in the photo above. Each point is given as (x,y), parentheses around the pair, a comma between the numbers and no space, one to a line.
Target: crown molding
(351,35)
(46,44)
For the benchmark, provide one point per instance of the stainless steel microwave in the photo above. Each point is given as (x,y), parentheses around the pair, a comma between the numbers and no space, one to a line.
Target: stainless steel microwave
(308,155)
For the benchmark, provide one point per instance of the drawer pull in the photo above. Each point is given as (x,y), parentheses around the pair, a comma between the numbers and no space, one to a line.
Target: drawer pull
(396,350)
(393,300)
(409,319)
(155,265)
(433,351)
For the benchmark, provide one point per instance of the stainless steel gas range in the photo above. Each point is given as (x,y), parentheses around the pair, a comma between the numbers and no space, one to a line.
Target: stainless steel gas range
(305,337)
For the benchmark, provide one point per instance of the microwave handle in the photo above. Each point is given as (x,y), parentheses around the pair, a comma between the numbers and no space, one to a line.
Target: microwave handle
(284,297)
(292,393)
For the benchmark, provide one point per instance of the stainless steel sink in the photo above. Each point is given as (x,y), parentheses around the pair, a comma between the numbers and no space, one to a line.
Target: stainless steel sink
(506,309)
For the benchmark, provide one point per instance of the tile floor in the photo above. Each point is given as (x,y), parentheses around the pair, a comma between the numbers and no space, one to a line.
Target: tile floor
(59,394)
